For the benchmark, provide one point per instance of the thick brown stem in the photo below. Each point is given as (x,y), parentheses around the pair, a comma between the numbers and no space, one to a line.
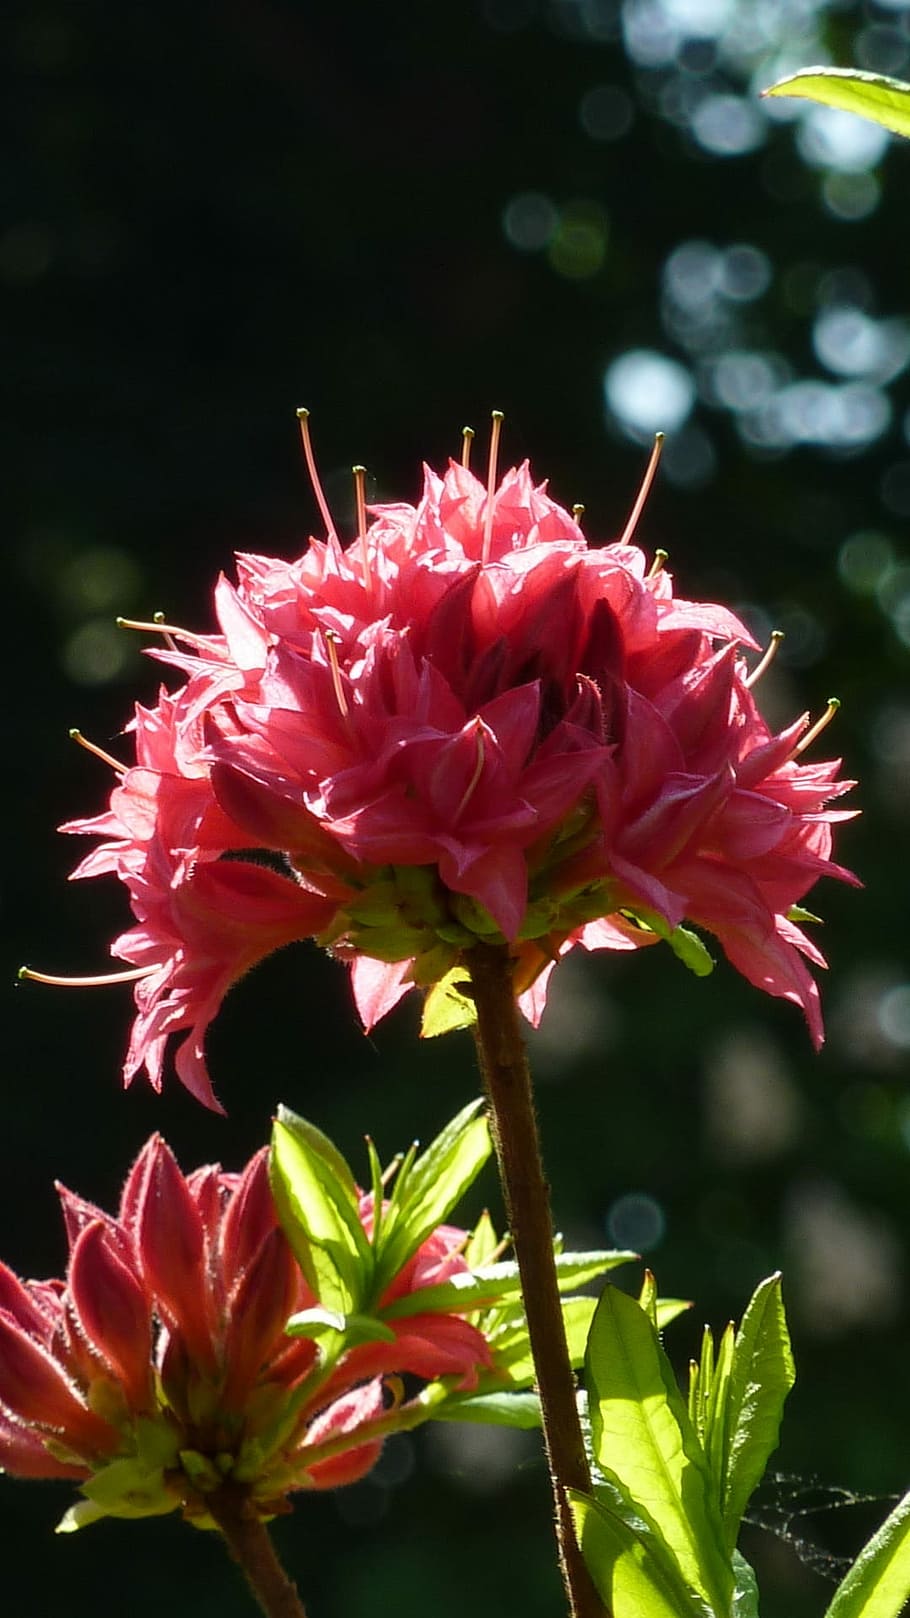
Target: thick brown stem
(250,1545)
(507,1078)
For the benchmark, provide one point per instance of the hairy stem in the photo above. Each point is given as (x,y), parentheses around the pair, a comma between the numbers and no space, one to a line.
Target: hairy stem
(507,1078)
(250,1546)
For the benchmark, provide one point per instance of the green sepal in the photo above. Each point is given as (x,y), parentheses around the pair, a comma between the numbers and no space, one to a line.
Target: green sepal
(631,1573)
(428,1187)
(761,1375)
(798,913)
(446,1007)
(646,1446)
(317,1203)
(690,949)
(124,1488)
(871,95)
(878,1583)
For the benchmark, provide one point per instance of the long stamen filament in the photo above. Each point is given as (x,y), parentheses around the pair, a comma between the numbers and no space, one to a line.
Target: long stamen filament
(644,491)
(467,439)
(660,559)
(360,476)
(90,747)
(491,483)
(476,774)
(303,417)
(331,646)
(101,981)
(578,512)
(767,658)
(815,730)
(158,627)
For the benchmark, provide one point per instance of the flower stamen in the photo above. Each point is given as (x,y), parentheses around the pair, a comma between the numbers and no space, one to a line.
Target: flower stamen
(644,491)
(815,730)
(159,627)
(766,659)
(303,417)
(495,431)
(360,475)
(578,512)
(467,439)
(90,747)
(101,981)
(160,618)
(475,776)
(332,641)
(660,558)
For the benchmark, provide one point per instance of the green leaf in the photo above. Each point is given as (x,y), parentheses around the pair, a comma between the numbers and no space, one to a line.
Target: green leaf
(745,1596)
(493,1409)
(632,1577)
(761,1376)
(869,95)
(647,1298)
(446,1007)
(878,1583)
(670,1309)
(318,1207)
(494,1283)
(427,1189)
(482,1243)
(644,1441)
(716,1419)
(327,1324)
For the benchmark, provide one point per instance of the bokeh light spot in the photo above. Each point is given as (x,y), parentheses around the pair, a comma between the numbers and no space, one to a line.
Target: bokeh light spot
(636,1221)
(529,221)
(647,392)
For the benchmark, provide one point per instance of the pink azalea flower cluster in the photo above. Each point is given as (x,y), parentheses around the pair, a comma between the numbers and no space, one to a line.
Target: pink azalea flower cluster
(467,725)
(160,1366)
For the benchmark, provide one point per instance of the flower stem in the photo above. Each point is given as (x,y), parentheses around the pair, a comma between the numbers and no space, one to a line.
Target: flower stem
(250,1545)
(507,1079)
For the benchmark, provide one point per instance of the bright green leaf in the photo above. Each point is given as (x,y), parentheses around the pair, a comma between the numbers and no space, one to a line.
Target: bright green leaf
(317,1204)
(869,95)
(670,1309)
(493,1409)
(446,1007)
(643,1440)
(494,1283)
(427,1189)
(632,1577)
(878,1583)
(327,1324)
(761,1376)
(716,1434)
(647,1298)
(745,1596)
(482,1243)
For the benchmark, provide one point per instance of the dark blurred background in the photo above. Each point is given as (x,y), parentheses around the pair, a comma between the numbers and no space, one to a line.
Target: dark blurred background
(576,211)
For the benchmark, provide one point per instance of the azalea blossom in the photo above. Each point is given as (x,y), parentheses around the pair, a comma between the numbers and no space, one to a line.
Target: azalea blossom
(469,723)
(160,1366)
